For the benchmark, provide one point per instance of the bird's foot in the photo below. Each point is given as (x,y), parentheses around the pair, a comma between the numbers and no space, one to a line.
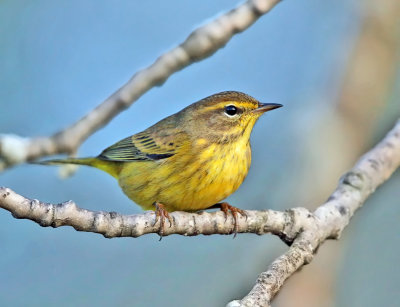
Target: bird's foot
(225,208)
(161,214)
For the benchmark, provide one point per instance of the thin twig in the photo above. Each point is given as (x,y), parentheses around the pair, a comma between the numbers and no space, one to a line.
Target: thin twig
(200,44)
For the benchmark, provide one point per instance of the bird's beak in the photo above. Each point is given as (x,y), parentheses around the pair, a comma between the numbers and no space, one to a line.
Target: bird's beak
(265,107)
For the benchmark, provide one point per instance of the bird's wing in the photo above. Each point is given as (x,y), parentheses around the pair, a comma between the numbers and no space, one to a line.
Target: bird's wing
(139,147)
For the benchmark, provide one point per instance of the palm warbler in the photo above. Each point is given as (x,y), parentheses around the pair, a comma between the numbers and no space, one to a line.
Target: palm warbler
(188,161)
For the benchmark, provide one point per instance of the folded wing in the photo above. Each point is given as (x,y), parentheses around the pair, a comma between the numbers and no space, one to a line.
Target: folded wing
(140,147)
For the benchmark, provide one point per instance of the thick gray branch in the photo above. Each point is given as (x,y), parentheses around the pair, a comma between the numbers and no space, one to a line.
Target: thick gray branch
(200,44)
(112,224)
(329,220)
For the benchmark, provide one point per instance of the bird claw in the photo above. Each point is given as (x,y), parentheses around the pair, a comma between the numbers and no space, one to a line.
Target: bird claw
(161,214)
(225,208)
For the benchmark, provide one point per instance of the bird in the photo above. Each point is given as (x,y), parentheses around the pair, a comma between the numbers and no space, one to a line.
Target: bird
(189,161)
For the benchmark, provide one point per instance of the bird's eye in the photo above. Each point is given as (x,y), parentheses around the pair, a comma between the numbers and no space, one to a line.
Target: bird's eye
(231,110)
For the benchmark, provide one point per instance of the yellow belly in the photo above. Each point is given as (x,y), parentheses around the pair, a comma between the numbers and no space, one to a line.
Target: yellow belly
(187,182)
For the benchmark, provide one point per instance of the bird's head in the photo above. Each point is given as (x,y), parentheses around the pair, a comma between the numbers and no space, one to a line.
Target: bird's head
(225,116)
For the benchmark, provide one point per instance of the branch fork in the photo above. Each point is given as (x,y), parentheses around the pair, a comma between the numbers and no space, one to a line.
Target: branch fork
(302,230)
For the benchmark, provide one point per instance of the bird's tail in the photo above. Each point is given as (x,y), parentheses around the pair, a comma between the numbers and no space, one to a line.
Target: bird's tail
(110,167)
(80,161)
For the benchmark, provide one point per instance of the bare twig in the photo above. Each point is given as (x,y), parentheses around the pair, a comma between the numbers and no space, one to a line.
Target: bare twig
(303,230)
(200,44)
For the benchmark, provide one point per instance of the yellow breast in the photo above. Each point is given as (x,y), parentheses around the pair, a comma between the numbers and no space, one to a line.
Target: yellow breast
(196,178)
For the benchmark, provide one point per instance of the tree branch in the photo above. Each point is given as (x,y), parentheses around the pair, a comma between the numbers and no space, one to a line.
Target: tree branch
(303,230)
(329,220)
(113,224)
(200,44)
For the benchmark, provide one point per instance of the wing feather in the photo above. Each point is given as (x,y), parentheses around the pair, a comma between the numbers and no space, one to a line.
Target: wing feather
(139,147)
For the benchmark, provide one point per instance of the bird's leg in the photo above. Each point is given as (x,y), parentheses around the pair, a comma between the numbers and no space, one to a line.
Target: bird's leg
(161,214)
(225,208)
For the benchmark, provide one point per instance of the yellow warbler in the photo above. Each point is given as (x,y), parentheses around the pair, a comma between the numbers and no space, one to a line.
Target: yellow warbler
(188,161)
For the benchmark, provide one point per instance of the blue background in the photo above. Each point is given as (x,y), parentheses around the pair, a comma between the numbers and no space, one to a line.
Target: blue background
(59,59)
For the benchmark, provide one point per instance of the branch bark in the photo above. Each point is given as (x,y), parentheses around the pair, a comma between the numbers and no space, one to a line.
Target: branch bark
(113,224)
(303,230)
(200,44)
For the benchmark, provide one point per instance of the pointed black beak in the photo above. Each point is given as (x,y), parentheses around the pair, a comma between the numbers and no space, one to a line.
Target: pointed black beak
(265,107)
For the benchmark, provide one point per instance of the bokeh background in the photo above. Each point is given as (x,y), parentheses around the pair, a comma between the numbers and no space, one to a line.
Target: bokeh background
(333,64)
